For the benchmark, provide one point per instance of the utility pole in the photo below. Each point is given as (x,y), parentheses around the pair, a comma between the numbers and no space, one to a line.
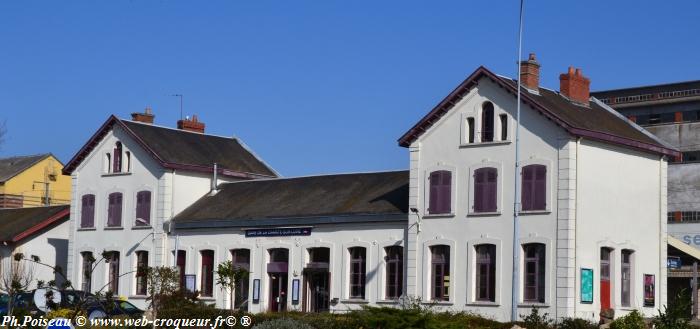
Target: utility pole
(515,283)
(47,200)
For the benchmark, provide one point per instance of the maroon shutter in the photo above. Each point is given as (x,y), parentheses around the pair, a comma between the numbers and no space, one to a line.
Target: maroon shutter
(492,198)
(434,180)
(540,188)
(143,206)
(479,190)
(87,215)
(117,158)
(114,215)
(527,188)
(446,192)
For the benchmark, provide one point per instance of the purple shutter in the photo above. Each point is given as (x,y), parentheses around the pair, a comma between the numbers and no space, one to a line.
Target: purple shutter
(540,187)
(479,190)
(492,197)
(114,215)
(446,192)
(87,215)
(485,190)
(143,206)
(527,188)
(434,180)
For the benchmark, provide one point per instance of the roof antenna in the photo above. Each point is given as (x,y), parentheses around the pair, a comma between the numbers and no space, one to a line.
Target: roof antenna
(515,289)
(179,95)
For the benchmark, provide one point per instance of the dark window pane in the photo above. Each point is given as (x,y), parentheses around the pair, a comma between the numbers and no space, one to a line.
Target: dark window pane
(487,122)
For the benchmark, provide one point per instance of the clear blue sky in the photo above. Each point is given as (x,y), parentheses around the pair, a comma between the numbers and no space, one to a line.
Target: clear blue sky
(311,86)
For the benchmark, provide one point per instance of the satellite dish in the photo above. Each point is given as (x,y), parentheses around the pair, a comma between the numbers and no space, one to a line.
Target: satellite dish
(40,300)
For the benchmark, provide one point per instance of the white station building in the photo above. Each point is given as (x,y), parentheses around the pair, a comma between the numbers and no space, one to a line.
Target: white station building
(592,211)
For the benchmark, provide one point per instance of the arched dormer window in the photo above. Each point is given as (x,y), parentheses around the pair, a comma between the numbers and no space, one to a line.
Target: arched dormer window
(117,158)
(487,129)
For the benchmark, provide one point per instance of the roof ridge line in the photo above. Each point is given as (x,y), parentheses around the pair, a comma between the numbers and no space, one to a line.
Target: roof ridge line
(319,175)
(175,129)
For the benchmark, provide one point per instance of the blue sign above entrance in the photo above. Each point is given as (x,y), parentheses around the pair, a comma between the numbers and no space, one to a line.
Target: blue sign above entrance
(287,231)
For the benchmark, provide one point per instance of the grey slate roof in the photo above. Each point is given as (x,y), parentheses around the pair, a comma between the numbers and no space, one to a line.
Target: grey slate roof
(378,196)
(651,89)
(593,118)
(184,147)
(182,150)
(10,167)
(23,220)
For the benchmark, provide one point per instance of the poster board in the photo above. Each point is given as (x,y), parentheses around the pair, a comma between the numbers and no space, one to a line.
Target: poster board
(586,286)
(649,290)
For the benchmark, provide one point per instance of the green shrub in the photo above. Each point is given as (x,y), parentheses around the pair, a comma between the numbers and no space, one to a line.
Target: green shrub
(536,321)
(282,323)
(633,320)
(675,316)
(571,323)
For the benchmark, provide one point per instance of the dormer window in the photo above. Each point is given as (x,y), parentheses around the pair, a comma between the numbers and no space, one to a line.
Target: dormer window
(117,158)
(487,123)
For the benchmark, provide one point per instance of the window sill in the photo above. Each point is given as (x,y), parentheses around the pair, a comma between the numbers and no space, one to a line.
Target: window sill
(87,229)
(485,304)
(438,303)
(354,301)
(116,174)
(529,305)
(388,301)
(534,212)
(138,297)
(113,228)
(142,227)
(439,215)
(484,214)
(465,145)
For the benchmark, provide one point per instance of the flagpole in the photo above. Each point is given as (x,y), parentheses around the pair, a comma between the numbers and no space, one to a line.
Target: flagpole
(515,291)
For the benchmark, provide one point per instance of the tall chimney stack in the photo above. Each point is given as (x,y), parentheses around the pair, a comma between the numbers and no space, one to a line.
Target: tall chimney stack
(575,86)
(530,73)
(145,117)
(191,124)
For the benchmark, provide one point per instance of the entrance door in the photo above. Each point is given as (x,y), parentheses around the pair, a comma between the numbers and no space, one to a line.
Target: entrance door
(278,292)
(318,290)
(605,278)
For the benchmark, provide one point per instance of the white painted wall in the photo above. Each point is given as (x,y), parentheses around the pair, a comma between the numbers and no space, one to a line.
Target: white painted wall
(51,246)
(628,199)
(338,238)
(620,206)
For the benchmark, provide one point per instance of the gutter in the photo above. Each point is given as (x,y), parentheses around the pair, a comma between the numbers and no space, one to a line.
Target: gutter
(287,221)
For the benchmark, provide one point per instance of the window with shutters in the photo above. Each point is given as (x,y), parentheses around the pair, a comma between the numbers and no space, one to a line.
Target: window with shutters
(534,272)
(485,190)
(440,194)
(181,266)
(440,272)
(534,187)
(113,266)
(241,260)
(114,210)
(358,272)
(626,284)
(207,284)
(88,262)
(143,208)
(487,122)
(87,211)
(485,272)
(141,269)
(394,271)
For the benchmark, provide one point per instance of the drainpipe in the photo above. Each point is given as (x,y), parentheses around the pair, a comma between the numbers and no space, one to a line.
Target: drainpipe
(214,180)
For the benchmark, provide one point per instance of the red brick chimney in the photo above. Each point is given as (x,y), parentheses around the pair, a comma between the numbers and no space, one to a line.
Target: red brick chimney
(530,73)
(145,117)
(191,124)
(575,86)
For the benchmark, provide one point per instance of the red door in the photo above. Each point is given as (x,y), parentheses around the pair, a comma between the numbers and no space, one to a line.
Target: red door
(604,294)
(605,278)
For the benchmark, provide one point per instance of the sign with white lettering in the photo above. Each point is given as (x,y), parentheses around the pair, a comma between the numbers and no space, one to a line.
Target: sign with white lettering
(269,232)
(673,262)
